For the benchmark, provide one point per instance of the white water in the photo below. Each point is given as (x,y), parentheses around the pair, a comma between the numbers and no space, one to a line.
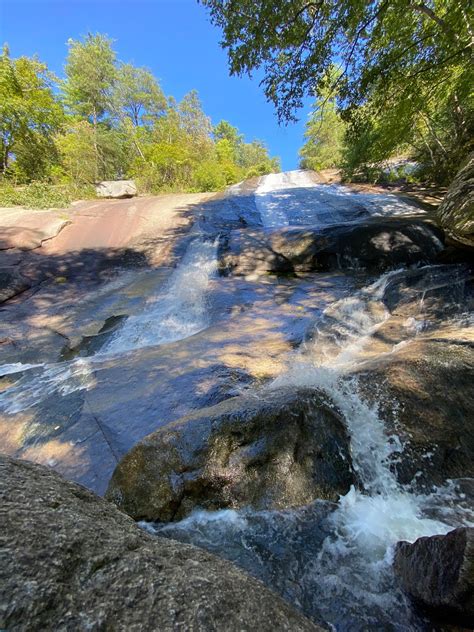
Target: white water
(293,198)
(177,311)
(351,574)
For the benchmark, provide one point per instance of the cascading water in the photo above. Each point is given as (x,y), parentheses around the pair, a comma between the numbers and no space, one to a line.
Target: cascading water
(344,576)
(334,562)
(294,198)
(175,312)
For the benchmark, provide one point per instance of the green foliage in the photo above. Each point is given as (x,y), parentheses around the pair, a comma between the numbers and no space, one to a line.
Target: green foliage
(90,77)
(29,117)
(137,95)
(406,70)
(324,135)
(41,195)
(117,123)
(209,177)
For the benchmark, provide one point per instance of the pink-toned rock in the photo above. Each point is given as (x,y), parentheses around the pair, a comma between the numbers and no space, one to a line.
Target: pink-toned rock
(27,230)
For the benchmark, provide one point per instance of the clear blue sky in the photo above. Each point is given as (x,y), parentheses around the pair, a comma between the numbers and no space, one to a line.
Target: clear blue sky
(171,37)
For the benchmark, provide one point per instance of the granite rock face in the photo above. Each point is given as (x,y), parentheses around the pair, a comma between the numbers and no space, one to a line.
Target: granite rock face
(116,189)
(72,561)
(272,450)
(375,245)
(431,381)
(438,573)
(456,211)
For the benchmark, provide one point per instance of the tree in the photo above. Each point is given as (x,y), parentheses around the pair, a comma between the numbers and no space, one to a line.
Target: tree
(195,123)
(30,115)
(395,56)
(138,96)
(225,131)
(324,135)
(90,79)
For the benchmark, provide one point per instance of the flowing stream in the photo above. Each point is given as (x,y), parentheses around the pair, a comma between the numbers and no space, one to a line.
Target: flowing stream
(174,312)
(334,562)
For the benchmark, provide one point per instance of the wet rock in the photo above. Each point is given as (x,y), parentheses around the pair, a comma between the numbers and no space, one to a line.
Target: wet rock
(424,393)
(277,547)
(272,450)
(456,211)
(11,283)
(116,189)
(89,567)
(438,573)
(375,245)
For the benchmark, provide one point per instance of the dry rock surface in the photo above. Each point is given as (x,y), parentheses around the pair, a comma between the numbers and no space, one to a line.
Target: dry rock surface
(72,561)
(116,189)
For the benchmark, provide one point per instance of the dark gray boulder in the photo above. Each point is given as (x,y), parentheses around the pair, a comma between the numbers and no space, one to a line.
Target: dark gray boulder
(438,573)
(430,380)
(72,561)
(270,450)
(375,245)
(456,211)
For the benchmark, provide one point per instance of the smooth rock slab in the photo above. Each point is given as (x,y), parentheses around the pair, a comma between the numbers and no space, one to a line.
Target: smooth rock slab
(430,379)
(456,211)
(72,561)
(270,451)
(438,573)
(375,245)
(11,283)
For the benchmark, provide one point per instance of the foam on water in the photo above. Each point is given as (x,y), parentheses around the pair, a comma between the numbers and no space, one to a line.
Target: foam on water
(294,198)
(349,577)
(176,312)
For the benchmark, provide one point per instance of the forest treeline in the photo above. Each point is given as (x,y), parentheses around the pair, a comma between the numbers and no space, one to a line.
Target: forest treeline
(110,120)
(390,77)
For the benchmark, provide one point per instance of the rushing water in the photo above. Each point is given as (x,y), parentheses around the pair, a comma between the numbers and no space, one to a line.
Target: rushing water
(174,312)
(294,198)
(340,557)
(334,562)
(177,312)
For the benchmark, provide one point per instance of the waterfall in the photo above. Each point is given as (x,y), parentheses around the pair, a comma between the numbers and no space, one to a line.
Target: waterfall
(269,203)
(346,578)
(175,312)
(294,198)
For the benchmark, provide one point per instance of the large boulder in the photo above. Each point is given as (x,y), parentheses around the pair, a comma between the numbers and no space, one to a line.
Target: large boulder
(270,450)
(116,189)
(72,561)
(423,391)
(438,573)
(376,245)
(456,211)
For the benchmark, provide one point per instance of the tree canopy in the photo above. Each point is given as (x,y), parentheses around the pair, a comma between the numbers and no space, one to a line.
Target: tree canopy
(108,119)
(405,68)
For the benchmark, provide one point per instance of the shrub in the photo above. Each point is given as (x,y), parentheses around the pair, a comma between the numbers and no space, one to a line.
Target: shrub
(41,195)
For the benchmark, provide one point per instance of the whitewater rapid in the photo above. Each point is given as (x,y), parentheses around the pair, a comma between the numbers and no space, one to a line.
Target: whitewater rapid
(349,576)
(173,312)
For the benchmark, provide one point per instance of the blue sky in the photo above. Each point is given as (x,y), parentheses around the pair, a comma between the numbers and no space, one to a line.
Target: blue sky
(171,37)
